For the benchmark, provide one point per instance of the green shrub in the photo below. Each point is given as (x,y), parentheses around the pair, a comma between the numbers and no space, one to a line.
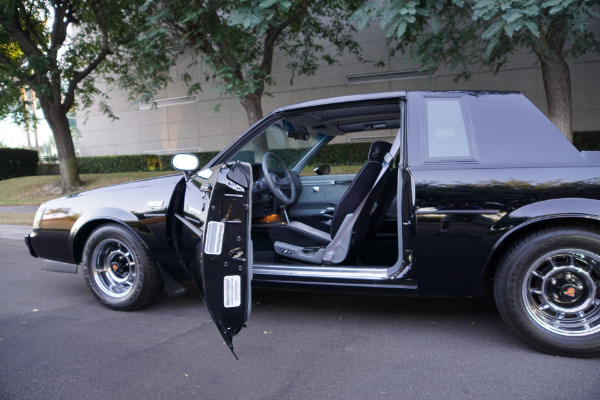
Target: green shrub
(333,155)
(342,154)
(589,140)
(132,163)
(17,162)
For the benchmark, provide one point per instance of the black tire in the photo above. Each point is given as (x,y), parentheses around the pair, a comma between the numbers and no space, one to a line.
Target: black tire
(119,270)
(547,289)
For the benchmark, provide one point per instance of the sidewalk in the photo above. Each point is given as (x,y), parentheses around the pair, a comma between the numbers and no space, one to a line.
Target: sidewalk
(16,231)
(18,209)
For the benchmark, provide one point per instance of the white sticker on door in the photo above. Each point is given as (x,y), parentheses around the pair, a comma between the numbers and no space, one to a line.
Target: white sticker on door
(214,237)
(232,296)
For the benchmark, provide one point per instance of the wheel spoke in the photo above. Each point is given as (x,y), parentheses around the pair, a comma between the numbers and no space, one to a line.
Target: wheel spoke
(113,281)
(560,315)
(537,274)
(535,291)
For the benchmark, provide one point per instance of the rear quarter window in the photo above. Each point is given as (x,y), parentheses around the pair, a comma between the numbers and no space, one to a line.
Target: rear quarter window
(447,134)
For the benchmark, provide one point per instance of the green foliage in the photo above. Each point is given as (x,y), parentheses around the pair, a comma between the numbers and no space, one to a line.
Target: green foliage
(40,52)
(232,42)
(58,48)
(454,32)
(588,140)
(17,162)
(333,155)
(342,154)
(132,163)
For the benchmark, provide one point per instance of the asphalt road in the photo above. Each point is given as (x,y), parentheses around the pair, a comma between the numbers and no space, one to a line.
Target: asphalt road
(57,342)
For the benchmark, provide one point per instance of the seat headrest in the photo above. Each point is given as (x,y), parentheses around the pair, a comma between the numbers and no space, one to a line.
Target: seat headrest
(378,150)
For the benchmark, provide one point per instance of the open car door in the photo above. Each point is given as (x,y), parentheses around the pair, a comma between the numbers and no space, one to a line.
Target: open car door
(222,266)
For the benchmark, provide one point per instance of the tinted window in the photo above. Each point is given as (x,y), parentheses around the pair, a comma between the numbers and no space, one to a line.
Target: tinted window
(446,134)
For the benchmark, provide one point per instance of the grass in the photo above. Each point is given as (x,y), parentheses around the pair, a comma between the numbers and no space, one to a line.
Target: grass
(34,190)
(342,169)
(16,218)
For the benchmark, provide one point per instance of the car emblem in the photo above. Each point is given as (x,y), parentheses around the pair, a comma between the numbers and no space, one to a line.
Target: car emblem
(570,292)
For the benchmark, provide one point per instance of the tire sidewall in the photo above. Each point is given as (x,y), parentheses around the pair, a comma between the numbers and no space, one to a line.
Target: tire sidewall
(508,288)
(113,232)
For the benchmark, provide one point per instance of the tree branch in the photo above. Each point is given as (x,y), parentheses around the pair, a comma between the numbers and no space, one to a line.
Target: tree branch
(27,20)
(81,75)
(20,36)
(59,31)
(273,33)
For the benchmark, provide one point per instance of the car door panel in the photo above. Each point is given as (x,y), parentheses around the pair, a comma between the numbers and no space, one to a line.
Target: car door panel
(222,263)
(318,193)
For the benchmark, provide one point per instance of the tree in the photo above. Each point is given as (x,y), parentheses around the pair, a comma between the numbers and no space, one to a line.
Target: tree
(54,47)
(467,33)
(237,40)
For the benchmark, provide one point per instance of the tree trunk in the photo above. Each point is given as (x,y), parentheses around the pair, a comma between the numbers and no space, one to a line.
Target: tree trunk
(253,108)
(59,124)
(26,115)
(557,82)
(35,127)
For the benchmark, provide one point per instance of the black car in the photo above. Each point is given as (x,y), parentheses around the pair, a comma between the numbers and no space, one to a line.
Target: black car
(460,194)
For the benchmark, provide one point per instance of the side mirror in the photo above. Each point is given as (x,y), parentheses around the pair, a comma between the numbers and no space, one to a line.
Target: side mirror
(185,162)
(322,170)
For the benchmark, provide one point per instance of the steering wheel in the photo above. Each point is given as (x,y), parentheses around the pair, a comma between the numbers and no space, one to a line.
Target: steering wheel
(274,182)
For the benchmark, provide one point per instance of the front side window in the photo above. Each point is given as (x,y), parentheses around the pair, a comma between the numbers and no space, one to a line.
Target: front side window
(447,136)
(288,141)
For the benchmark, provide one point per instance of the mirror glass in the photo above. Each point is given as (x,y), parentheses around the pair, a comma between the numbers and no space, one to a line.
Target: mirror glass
(185,162)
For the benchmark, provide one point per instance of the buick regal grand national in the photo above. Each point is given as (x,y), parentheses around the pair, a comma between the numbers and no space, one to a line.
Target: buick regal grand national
(460,194)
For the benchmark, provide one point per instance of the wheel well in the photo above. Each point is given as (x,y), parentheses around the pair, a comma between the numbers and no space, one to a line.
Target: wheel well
(84,233)
(492,264)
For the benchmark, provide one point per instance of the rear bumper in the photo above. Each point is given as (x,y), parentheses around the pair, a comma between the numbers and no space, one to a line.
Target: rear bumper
(29,246)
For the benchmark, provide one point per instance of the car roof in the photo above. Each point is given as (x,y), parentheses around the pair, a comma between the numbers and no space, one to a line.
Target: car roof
(379,96)
(343,99)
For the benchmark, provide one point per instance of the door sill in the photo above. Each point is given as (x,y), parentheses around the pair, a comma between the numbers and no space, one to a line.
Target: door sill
(336,272)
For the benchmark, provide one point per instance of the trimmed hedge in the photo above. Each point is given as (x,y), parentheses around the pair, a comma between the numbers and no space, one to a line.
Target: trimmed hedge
(342,154)
(132,163)
(17,162)
(589,140)
(336,154)
(333,155)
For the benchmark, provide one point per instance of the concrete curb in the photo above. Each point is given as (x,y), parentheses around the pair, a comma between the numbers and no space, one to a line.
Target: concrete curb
(16,232)
(18,209)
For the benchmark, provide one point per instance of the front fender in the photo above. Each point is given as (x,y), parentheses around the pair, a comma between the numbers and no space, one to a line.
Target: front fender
(90,219)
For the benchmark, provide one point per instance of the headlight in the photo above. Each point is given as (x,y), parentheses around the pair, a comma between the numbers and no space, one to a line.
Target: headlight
(38,217)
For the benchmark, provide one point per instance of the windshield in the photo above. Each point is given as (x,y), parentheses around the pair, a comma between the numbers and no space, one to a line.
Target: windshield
(290,142)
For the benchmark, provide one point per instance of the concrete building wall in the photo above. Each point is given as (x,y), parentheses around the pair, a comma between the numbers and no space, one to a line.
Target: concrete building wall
(196,127)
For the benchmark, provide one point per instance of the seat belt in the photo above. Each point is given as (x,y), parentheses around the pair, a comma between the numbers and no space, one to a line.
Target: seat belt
(347,229)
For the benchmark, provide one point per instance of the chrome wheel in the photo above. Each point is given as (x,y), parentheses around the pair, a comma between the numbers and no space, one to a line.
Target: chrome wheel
(561,292)
(114,268)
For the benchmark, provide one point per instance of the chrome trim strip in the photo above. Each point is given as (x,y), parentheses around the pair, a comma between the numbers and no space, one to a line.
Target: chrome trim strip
(324,272)
(441,212)
(318,183)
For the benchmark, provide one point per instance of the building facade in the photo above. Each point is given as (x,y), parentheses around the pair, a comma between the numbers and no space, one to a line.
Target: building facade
(189,123)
